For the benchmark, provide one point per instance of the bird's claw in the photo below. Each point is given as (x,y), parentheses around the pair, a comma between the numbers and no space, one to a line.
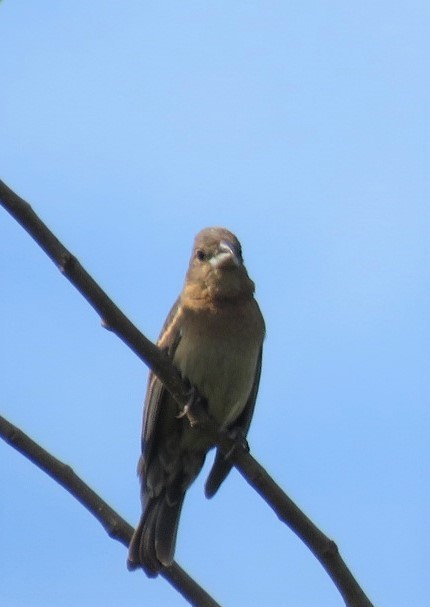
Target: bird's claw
(237,435)
(194,410)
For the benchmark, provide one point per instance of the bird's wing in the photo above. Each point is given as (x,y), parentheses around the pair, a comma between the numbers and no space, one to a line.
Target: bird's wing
(168,341)
(222,466)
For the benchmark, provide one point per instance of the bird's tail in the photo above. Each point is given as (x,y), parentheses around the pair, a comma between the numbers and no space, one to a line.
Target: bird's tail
(153,543)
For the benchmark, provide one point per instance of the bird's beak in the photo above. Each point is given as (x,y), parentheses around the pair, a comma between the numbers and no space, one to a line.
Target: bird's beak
(227,255)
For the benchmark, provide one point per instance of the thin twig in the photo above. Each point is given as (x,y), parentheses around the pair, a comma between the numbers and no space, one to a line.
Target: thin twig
(322,547)
(115,526)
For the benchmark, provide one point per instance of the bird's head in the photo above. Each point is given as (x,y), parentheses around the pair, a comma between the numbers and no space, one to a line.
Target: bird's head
(216,270)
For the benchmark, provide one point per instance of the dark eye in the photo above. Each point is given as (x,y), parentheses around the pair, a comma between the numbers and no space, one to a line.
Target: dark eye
(200,255)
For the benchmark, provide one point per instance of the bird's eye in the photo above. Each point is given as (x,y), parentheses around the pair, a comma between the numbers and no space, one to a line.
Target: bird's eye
(200,255)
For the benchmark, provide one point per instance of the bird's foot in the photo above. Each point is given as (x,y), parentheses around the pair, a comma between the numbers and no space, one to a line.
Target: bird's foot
(195,410)
(238,436)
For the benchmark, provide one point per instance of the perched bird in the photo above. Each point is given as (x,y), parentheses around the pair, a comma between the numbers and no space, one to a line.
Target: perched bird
(214,335)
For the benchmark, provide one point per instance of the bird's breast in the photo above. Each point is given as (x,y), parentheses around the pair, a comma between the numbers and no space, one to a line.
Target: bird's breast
(218,354)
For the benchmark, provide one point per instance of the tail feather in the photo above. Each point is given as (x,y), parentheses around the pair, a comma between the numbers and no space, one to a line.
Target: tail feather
(166,529)
(153,543)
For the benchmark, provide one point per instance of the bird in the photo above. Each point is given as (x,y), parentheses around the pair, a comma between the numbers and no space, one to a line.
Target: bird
(214,336)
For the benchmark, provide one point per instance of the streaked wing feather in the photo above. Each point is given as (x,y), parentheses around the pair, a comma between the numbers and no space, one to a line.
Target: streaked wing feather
(244,420)
(168,341)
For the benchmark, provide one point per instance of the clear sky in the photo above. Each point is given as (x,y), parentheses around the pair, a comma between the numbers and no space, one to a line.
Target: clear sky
(301,126)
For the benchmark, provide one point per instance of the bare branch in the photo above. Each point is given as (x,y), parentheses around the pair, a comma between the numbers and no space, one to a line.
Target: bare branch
(115,526)
(112,317)
(322,547)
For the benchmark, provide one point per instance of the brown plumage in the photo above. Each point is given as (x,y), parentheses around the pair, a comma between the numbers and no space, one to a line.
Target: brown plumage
(214,335)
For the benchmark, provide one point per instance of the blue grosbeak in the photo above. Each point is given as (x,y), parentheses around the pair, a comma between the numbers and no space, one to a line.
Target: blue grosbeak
(214,335)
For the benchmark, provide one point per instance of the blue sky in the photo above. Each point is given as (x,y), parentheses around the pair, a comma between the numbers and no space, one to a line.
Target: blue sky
(304,128)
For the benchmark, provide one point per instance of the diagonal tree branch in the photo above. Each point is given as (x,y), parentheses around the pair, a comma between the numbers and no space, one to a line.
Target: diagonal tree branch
(321,546)
(115,526)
